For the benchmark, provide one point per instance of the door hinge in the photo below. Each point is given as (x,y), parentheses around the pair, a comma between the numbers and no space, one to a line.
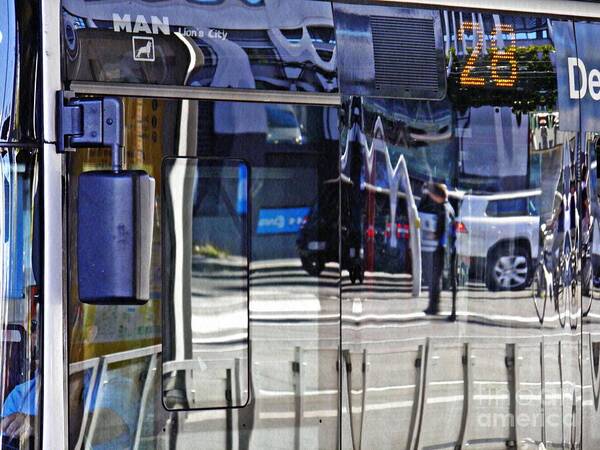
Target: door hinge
(90,122)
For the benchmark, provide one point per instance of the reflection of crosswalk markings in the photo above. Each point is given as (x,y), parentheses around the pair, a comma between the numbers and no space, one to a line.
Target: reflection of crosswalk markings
(143,48)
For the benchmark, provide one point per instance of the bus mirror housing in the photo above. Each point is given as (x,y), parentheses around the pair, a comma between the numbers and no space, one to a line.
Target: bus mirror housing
(115,217)
(115,209)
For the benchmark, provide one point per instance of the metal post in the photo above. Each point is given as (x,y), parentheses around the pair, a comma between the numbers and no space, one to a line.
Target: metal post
(422,364)
(365,365)
(228,411)
(468,389)
(97,368)
(347,360)
(356,431)
(144,400)
(511,362)
(543,398)
(562,396)
(299,397)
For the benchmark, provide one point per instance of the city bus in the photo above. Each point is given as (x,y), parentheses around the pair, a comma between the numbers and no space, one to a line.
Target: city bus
(299,224)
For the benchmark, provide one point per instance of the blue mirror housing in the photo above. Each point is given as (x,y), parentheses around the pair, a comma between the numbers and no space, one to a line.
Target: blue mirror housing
(114,236)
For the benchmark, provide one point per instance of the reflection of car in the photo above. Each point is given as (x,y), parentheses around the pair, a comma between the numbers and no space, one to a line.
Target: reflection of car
(498,236)
(318,239)
(283,125)
(389,256)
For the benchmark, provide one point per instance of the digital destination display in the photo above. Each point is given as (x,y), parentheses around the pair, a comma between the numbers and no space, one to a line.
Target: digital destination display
(502,62)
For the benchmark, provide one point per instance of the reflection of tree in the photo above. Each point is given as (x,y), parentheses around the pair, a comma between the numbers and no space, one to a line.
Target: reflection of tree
(535,86)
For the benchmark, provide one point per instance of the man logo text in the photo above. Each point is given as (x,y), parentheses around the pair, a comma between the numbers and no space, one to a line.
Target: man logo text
(156,25)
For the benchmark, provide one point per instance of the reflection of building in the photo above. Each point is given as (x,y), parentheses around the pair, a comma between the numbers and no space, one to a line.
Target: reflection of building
(225,44)
(370,168)
(286,145)
(493,145)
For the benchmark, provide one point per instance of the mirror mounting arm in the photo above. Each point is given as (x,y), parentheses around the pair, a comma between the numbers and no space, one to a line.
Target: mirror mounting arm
(90,122)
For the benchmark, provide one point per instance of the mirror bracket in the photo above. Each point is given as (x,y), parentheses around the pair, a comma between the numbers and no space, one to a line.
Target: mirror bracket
(90,122)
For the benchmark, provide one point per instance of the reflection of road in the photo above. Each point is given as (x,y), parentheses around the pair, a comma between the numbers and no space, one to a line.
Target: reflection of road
(407,377)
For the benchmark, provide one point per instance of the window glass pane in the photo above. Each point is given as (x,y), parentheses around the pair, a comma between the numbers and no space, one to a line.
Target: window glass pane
(462,239)
(205,288)
(20,370)
(508,207)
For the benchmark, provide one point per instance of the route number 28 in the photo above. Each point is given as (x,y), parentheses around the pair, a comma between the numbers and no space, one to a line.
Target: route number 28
(504,57)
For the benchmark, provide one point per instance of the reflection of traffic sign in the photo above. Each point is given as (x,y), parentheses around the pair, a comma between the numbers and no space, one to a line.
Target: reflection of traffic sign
(276,221)
(143,48)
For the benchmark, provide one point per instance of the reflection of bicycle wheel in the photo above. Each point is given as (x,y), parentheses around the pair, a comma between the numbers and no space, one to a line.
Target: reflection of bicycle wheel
(575,288)
(539,292)
(575,438)
(562,300)
(462,275)
(574,309)
(588,287)
(559,295)
(589,299)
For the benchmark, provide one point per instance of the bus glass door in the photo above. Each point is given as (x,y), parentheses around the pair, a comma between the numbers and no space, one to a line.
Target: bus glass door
(245,276)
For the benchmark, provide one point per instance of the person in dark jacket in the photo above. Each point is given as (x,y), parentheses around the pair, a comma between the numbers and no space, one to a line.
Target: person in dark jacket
(437,218)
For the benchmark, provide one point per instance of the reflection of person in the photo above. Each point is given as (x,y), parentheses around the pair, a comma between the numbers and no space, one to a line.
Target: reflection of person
(19,409)
(116,405)
(113,399)
(436,216)
(558,227)
(572,206)
(20,406)
(585,200)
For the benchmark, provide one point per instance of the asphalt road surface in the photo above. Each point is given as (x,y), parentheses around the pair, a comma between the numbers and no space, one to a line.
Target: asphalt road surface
(494,378)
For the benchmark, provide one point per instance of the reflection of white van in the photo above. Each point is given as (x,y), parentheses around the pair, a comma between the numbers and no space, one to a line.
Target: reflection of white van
(283,125)
(498,235)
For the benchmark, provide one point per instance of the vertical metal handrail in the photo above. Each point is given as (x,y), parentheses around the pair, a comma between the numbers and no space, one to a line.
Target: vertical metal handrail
(562,391)
(97,388)
(421,395)
(228,410)
(297,370)
(365,365)
(96,367)
(347,364)
(356,432)
(463,438)
(543,396)
(512,364)
(152,365)
(340,381)
(416,409)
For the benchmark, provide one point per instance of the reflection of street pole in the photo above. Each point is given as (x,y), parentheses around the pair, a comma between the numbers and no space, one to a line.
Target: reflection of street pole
(398,177)
(353,158)
(242,204)
(371,206)
(453,269)
(182,187)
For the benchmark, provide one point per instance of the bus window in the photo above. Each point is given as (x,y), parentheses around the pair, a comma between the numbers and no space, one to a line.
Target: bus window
(473,138)
(20,382)
(205,325)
